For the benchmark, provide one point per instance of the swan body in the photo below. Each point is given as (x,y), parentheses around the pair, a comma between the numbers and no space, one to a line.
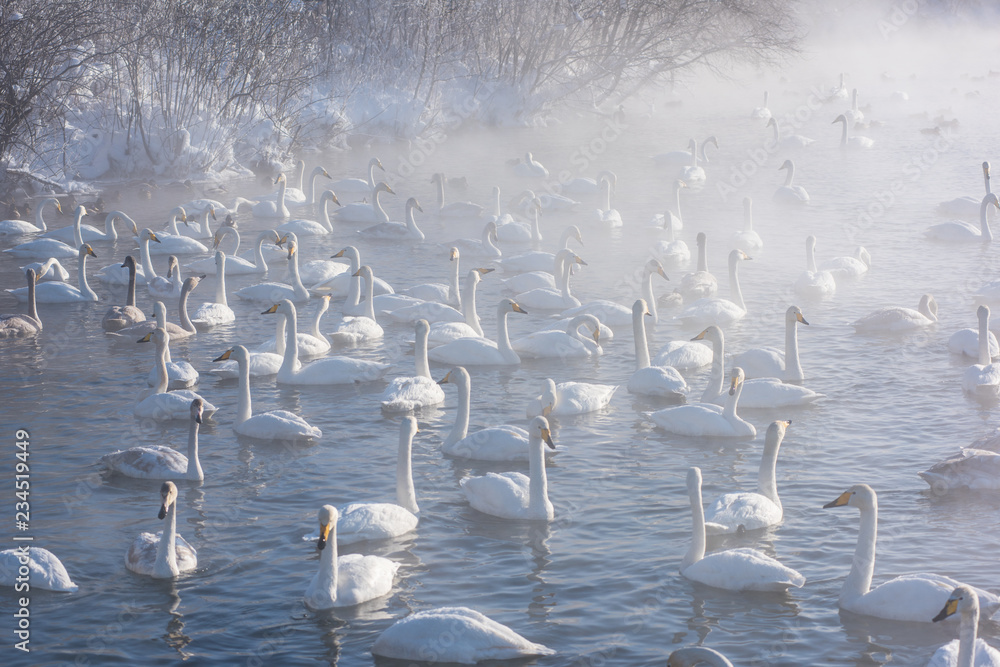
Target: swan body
(22,227)
(683,355)
(216,312)
(168,287)
(303,227)
(163,405)
(720,312)
(331,370)
(734,569)
(570,398)
(434,312)
(482,351)
(671,251)
(397,231)
(708,420)
(769,362)
(343,284)
(359,186)
(697,655)
(813,283)
(895,319)
(371,214)
(959,231)
(478,638)
(531,168)
(737,512)
(552,299)
(762,112)
(484,247)
(842,268)
(458,209)
(647,380)
(699,283)
(673,218)
(791,142)
(50,269)
(166,554)
(175,243)
(788,194)
(356,330)
(348,580)
(855,142)
(537,260)
(119,317)
(965,207)
(967,650)
(270,292)
(17,325)
(911,597)
(973,469)
(45,570)
(567,344)
(406,394)
(156,462)
(747,240)
(45,248)
(91,234)
(513,495)
(608,215)
(54,292)
(982,379)
(204,228)
(273,208)
(311,344)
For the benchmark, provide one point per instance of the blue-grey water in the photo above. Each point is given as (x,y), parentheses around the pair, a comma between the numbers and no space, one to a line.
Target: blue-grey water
(600,583)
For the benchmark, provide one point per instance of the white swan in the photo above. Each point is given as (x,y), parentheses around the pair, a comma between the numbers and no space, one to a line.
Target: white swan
(967,650)
(304,227)
(911,597)
(965,207)
(738,512)
(343,284)
(792,141)
(543,298)
(855,142)
(311,343)
(363,328)
(348,580)
(236,265)
(259,364)
(673,217)
(475,638)
(113,274)
(983,379)
(371,214)
(672,252)
(733,569)
(361,522)
(50,269)
(174,243)
(19,227)
(719,311)
(119,317)
(470,327)
(204,228)
(359,186)
(482,351)
(570,398)
(513,495)
(407,394)
(397,231)
(813,283)
(162,405)
(55,292)
(562,344)
(331,370)
(608,215)
(272,291)
(159,462)
(684,355)
(704,419)
(973,469)
(166,554)
(761,112)
(161,287)
(458,209)
(699,283)
(966,341)
(537,260)
(842,268)
(16,325)
(788,194)
(447,294)
(45,570)
(275,208)
(959,231)
(435,312)
(531,168)
(485,246)
(180,374)
(747,240)
(771,362)
(271,425)
(697,655)
(896,319)
(45,248)
(302,194)
(854,114)
(513,232)
(91,234)
(496,443)
(214,313)
(658,381)
(532,280)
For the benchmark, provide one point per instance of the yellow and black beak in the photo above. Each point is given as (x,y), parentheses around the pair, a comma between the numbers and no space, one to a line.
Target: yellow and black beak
(516,308)
(324,534)
(798,316)
(145,339)
(90,251)
(281,240)
(597,335)
(547,438)
(392,192)
(271,311)
(701,336)
(152,237)
(579,260)
(841,500)
(416,205)
(58,206)
(663,273)
(547,410)
(485,271)
(356,273)
(224,356)
(446,379)
(735,383)
(950,607)
(339,254)
(291,251)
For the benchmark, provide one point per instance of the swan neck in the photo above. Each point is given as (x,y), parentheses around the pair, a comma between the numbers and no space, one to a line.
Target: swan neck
(354,287)
(811,257)
(461,427)
(607,194)
(406,496)
(776,134)
(697,549)
(279,337)
(166,551)
(440,192)
(161,369)
(703,257)
(984,221)
(324,211)
(281,195)
(77,230)
(312,190)
(371,176)
(130,294)
(503,339)
(859,580)
(40,219)
(647,294)
(301,293)
(258,250)
(328,576)
(147,264)
(220,285)
(491,249)
(244,406)
(194,470)
(767,484)
(748,217)
(32,303)
(469,308)
(793,365)
(677,203)
(370,297)
(184,317)
(984,340)
(729,411)
(536,231)
(565,268)
(734,285)
(843,134)
(420,356)
(967,626)
(380,213)
(291,346)
(790,175)
(454,293)
(714,387)
(538,484)
(641,346)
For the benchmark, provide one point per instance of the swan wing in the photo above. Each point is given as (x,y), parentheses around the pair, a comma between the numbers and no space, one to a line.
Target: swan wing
(499,494)
(46,571)
(362,578)
(278,425)
(752,511)
(152,462)
(359,522)
(975,469)
(498,443)
(744,570)
(761,362)
(661,381)
(411,393)
(683,355)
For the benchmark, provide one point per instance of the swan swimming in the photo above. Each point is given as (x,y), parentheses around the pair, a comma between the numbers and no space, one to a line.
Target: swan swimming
(771,362)
(967,650)
(159,462)
(813,283)
(45,570)
(896,319)
(570,398)
(406,394)
(656,381)
(166,554)
(704,419)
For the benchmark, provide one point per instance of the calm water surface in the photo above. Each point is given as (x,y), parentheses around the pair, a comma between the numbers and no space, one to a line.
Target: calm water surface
(600,583)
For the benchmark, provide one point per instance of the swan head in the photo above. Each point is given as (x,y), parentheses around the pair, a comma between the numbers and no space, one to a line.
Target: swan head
(864,256)
(861,496)
(80,211)
(280,179)
(787,164)
(423,328)
(928,306)
(692,145)
(737,380)
(148,235)
(712,333)
(453,254)
(328,516)
(408,427)
(283,307)
(437,177)
(841,118)
(457,375)
(771,121)
(33,277)
(737,255)
(776,431)
(350,252)
(986,169)
(179,213)
(329,195)
(511,306)
(237,353)
(383,187)
(364,271)
(220,259)
(962,600)
(794,314)
(540,425)
(158,335)
(168,497)
(678,184)
(549,396)
(654,266)
(810,242)
(129,263)
(412,203)
(375,162)
(991,198)
(694,480)
(190,283)
(747,204)
(85,250)
(610,177)
(701,239)
(172,265)
(712,140)
(197,409)
(639,308)
(983,313)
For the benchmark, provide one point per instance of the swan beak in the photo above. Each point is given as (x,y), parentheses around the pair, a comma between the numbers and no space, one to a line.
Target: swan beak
(324,533)
(392,192)
(744,255)
(271,311)
(211,211)
(339,254)
(378,163)
(701,336)
(547,410)
(291,251)
(197,417)
(90,251)
(327,174)
(334,199)
(547,438)
(485,271)
(597,336)
(516,308)
(735,383)
(417,206)
(445,379)
(163,511)
(579,260)
(454,255)
(950,607)
(58,206)
(356,273)
(215,241)
(146,338)
(799,317)
(662,273)
(841,500)
(682,184)
(224,356)
(152,237)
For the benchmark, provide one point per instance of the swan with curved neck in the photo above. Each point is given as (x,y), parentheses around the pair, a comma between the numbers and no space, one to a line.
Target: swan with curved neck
(407,230)
(458,209)
(167,554)
(480,351)
(771,362)
(719,311)
(304,227)
(967,650)
(275,208)
(733,569)
(14,325)
(549,299)
(47,247)
(273,291)
(119,317)
(961,231)
(372,213)
(159,462)
(91,234)
(570,398)
(14,227)
(739,512)
(359,186)
(813,283)
(57,292)
(406,394)
(748,240)
(658,381)
(705,419)
(983,379)
(348,580)
(788,193)
(896,319)
(911,597)
(851,142)
(568,344)
(512,495)
(762,112)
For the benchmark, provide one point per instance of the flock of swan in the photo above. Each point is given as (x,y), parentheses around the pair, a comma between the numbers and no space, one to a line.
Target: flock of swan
(446,327)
